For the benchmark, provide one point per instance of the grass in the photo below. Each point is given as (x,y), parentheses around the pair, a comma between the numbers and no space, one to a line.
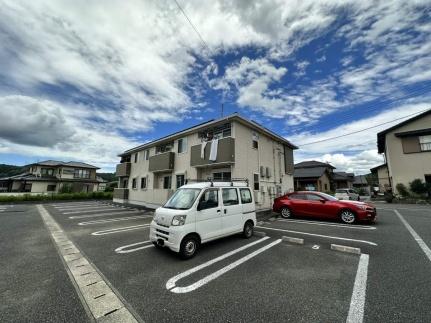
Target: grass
(56,197)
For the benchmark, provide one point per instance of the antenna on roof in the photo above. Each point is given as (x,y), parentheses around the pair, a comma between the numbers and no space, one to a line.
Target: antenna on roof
(222,108)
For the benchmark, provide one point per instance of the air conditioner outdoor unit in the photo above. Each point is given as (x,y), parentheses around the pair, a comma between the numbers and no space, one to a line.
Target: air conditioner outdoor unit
(262,189)
(257,197)
(271,190)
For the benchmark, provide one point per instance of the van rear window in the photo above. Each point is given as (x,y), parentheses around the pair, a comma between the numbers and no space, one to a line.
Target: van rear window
(245,195)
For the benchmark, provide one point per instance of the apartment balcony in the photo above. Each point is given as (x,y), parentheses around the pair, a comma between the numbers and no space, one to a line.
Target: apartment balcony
(225,153)
(121,193)
(162,162)
(123,169)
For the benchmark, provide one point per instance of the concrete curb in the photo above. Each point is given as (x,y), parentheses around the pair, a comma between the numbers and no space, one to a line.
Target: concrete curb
(347,249)
(292,240)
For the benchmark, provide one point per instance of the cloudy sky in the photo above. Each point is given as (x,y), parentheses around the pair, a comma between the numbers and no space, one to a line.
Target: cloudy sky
(85,80)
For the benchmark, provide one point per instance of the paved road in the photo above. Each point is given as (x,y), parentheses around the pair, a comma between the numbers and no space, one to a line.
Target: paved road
(263,279)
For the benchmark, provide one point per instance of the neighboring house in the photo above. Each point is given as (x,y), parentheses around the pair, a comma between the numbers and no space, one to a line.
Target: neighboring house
(381,172)
(102,184)
(148,174)
(407,150)
(52,176)
(342,180)
(361,182)
(313,176)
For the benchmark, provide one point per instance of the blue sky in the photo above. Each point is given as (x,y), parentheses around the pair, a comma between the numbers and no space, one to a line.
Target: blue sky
(81,81)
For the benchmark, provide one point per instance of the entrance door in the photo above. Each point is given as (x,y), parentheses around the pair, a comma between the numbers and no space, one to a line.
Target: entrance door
(232,211)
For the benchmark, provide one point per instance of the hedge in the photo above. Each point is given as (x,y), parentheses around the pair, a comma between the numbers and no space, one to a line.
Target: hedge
(54,197)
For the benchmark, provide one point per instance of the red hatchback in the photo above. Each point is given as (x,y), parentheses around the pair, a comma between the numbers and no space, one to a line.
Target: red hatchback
(321,205)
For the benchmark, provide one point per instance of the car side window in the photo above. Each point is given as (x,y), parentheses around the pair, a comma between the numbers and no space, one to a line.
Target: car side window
(209,199)
(245,195)
(230,196)
(297,197)
(312,197)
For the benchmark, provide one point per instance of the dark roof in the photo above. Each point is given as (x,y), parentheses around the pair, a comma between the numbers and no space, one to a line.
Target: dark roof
(313,163)
(234,116)
(54,163)
(360,180)
(31,177)
(343,176)
(420,132)
(372,170)
(381,136)
(314,172)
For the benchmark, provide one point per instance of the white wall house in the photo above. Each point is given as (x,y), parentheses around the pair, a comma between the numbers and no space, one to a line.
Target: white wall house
(150,173)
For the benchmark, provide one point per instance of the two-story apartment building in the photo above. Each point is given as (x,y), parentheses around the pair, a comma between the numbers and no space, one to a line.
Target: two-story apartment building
(407,150)
(221,149)
(52,176)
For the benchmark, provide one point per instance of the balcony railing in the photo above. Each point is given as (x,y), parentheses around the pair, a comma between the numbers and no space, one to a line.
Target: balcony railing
(121,193)
(162,162)
(123,169)
(225,153)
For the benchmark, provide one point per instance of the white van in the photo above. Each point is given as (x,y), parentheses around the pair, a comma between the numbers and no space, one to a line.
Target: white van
(201,212)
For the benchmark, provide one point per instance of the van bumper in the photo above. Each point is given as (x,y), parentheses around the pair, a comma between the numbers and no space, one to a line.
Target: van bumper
(167,237)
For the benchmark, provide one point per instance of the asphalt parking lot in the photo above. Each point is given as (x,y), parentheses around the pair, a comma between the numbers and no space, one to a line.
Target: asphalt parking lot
(59,256)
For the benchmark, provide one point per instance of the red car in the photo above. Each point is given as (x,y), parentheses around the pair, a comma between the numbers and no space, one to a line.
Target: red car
(321,205)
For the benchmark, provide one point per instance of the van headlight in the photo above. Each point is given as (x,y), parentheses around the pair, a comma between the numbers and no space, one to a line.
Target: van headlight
(178,220)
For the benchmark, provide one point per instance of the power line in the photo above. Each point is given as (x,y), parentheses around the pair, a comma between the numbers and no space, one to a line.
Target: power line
(354,132)
(193,26)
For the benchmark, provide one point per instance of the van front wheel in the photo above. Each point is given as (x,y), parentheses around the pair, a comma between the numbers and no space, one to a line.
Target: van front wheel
(188,247)
(248,230)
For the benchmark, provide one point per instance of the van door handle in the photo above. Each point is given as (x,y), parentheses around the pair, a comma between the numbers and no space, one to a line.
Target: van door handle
(218,211)
(225,211)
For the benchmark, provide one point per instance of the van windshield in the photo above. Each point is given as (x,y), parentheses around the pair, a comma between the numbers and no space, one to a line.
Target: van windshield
(182,199)
(340,191)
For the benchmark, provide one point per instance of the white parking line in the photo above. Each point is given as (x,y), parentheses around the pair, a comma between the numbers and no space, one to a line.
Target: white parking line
(418,239)
(92,211)
(171,282)
(75,208)
(407,209)
(124,249)
(121,229)
(357,302)
(319,235)
(105,214)
(218,273)
(137,217)
(348,226)
(74,204)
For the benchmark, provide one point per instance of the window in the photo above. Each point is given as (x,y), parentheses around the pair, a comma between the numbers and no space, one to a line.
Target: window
(27,187)
(428,179)
(297,197)
(256,181)
(167,182)
(164,148)
(134,183)
(143,183)
(81,173)
(245,195)
(47,171)
(218,132)
(222,176)
(182,145)
(425,142)
(136,158)
(147,154)
(51,188)
(209,199)
(180,180)
(230,196)
(312,197)
(326,187)
(255,144)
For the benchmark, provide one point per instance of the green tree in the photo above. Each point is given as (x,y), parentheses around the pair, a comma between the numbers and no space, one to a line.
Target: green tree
(402,189)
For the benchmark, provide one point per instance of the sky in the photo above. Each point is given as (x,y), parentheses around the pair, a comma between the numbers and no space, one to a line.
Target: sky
(86,80)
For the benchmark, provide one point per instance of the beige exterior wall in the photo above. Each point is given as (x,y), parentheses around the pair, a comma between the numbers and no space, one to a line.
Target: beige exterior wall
(383,178)
(404,168)
(42,187)
(324,179)
(247,162)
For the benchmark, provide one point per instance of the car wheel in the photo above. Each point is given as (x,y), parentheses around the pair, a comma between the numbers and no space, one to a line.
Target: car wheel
(348,216)
(188,247)
(286,213)
(248,230)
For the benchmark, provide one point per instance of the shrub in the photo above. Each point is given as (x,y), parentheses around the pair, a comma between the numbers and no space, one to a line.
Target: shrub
(418,187)
(389,197)
(362,191)
(66,188)
(402,189)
